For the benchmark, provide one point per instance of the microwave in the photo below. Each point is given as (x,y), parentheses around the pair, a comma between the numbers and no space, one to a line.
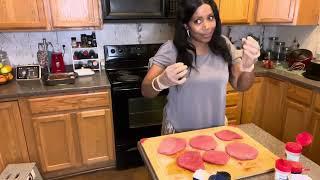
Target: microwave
(138,9)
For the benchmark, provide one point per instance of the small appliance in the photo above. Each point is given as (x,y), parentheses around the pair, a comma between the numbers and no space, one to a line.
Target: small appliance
(57,63)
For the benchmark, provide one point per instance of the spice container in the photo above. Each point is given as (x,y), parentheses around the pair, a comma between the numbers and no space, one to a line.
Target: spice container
(293,151)
(74,42)
(282,169)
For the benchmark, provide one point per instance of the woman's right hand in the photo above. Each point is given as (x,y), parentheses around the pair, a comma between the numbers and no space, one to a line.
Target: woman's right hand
(174,74)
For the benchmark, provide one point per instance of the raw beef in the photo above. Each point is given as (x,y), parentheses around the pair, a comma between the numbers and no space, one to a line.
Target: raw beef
(241,151)
(216,157)
(171,145)
(203,142)
(190,160)
(227,135)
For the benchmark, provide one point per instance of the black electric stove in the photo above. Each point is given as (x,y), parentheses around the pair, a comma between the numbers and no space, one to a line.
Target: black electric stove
(134,117)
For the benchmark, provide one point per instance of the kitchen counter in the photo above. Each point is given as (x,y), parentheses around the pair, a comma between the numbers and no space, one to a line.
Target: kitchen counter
(268,141)
(15,89)
(282,74)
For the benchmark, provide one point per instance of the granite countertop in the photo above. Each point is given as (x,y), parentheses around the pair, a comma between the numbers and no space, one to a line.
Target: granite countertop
(268,141)
(15,89)
(281,73)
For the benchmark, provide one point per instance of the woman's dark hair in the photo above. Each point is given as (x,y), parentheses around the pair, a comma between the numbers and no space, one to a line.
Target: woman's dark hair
(186,50)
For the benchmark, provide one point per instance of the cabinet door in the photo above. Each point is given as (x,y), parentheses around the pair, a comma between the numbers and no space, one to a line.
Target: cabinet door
(13,147)
(297,120)
(238,11)
(315,146)
(272,113)
(54,138)
(22,14)
(275,10)
(96,136)
(233,105)
(75,13)
(252,103)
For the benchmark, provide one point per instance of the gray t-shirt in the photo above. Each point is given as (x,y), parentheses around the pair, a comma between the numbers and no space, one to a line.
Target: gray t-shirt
(200,101)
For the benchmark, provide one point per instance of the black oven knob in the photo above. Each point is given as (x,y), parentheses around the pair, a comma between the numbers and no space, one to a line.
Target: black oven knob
(120,50)
(112,51)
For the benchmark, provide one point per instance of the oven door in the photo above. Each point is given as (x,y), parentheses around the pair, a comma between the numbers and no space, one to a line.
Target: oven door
(135,117)
(133,9)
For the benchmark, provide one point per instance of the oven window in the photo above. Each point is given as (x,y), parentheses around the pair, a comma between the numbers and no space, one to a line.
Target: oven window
(140,6)
(145,112)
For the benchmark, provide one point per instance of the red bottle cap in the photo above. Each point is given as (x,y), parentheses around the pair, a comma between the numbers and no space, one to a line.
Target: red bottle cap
(283,165)
(293,147)
(296,167)
(304,139)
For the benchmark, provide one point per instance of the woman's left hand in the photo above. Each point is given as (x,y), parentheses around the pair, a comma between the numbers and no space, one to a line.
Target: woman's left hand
(251,52)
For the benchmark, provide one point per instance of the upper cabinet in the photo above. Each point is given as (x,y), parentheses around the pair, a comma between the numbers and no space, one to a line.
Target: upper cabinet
(18,14)
(49,14)
(75,13)
(240,11)
(294,12)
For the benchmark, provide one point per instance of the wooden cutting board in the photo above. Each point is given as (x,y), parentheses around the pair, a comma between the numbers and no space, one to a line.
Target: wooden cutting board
(165,167)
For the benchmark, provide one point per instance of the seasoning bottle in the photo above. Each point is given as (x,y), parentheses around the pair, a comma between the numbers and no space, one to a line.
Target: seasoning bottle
(282,169)
(73,42)
(293,151)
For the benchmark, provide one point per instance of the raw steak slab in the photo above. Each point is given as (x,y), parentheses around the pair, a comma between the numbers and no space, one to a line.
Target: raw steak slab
(227,135)
(190,160)
(171,145)
(241,151)
(203,142)
(216,157)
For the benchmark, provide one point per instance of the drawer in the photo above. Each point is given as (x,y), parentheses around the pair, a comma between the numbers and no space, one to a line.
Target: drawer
(232,99)
(229,88)
(317,102)
(232,113)
(69,102)
(299,94)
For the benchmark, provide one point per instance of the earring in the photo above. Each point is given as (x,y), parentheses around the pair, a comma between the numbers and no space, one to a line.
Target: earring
(188,32)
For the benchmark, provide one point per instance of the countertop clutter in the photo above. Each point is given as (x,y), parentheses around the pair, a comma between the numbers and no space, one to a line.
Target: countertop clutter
(14,89)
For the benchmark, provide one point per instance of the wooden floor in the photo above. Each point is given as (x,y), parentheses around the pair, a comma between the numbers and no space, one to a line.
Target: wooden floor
(139,173)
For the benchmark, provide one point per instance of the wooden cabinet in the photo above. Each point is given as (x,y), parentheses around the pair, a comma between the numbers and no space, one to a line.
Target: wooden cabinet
(297,112)
(233,105)
(69,133)
(49,14)
(315,146)
(272,113)
(239,11)
(96,136)
(295,12)
(13,147)
(18,14)
(55,142)
(253,102)
(75,13)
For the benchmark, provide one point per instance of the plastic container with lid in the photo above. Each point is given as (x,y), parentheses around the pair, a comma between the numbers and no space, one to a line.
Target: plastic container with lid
(294,149)
(282,169)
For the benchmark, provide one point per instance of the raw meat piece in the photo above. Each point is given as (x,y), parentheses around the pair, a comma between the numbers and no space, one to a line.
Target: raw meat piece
(203,142)
(216,157)
(241,151)
(227,135)
(190,160)
(171,145)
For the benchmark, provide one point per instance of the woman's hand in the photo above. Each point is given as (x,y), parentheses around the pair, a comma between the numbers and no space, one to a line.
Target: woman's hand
(251,52)
(174,74)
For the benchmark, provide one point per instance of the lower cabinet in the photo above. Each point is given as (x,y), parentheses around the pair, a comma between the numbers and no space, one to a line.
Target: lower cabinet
(233,105)
(313,154)
(13,147)
(72,134)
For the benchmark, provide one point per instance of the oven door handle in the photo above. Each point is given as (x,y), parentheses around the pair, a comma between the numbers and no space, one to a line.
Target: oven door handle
(125,89)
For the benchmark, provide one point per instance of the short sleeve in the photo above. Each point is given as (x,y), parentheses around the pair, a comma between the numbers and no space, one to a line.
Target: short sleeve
(166,55)
(236,54)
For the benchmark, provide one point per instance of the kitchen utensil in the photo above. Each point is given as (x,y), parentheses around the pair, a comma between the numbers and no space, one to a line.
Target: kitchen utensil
(299,56)
(59,78)
(313,70)
(165,167)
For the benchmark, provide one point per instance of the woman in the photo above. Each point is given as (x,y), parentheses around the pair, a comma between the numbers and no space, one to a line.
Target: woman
(196,67)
